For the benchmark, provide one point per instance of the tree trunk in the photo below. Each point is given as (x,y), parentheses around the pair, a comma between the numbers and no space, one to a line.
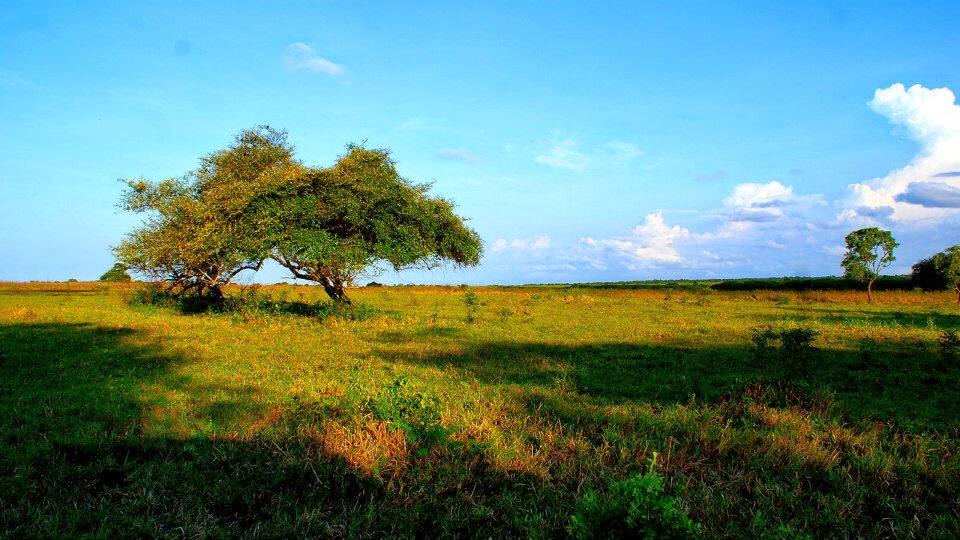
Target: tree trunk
(870,292)
(215,293)
(334,289)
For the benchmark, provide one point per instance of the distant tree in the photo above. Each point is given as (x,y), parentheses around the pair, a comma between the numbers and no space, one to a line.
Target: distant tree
(335,224)
(942,271)
(117,272)
(869,251)
(196,237)
(924,275)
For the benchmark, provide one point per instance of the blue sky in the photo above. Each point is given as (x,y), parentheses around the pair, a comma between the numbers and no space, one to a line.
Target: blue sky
(585,141)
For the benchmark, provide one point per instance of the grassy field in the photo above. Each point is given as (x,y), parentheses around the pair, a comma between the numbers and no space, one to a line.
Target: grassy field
(479,413)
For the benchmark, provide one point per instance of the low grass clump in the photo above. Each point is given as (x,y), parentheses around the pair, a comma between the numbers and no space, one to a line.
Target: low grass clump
(635,507)
(486,412)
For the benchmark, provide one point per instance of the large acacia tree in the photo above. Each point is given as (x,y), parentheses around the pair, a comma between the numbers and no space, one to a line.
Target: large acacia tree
(196,236)
(254,201)
(331,225)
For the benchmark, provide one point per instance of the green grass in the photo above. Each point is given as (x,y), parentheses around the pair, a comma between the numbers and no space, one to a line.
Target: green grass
(505,415)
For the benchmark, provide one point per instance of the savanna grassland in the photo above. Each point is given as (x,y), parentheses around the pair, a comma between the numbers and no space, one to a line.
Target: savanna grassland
(484,412)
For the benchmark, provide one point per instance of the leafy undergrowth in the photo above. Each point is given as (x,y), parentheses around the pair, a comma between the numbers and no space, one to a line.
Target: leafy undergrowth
(524,413)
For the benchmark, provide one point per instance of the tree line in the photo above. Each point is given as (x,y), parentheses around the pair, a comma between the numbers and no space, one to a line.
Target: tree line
(254,201)
(870,250)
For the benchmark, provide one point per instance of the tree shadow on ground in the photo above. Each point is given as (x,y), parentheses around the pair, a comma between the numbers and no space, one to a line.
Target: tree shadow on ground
(913,388)
(923,320)
(78,460)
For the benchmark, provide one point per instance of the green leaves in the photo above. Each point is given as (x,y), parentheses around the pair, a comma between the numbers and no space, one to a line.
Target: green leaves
(196,236)
(117,272)
(635,507)
(253,201)
(334,224)
(869,251)
(941,271)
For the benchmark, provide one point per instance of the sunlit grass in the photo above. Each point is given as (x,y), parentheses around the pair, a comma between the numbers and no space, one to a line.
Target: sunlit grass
(121,419)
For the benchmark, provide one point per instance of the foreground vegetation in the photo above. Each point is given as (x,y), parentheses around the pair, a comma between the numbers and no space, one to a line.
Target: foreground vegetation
(480,412)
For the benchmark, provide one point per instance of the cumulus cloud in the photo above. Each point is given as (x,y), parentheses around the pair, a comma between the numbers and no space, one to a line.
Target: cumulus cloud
(750,195)
(931,195)
(652,242)
(753,202)
(300,56)
(521,244)
(737,231)
(932,118)
(457,154)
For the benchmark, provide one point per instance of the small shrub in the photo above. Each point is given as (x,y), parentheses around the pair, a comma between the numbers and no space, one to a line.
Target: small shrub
(473,305)
(788,351)
(417,414)
(949,347)
(797,343)
(250,301)
(151,294)
(636,507)
(764,340)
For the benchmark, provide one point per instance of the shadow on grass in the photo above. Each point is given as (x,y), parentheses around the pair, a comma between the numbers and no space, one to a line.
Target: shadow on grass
(930,319)
(912,388)
(78,461)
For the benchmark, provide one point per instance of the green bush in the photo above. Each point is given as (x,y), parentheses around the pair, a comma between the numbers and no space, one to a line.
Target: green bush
(635,507)
(787,351)
(117,272)
(251,301)
(415,413)
(949,347)
(472,304)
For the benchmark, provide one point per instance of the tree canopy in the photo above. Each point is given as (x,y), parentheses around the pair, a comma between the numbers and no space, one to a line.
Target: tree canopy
(254,201)
(333,224)
(869,251)
(941,271)
(117,272)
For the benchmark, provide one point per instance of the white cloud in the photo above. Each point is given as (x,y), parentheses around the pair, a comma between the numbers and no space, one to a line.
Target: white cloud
(564,154)
(300,56)
(623,151)
(758,202)
(652,242)
(773,244)
(521,244)
(457,154)
(737,233)
(759,195)
(932,118)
